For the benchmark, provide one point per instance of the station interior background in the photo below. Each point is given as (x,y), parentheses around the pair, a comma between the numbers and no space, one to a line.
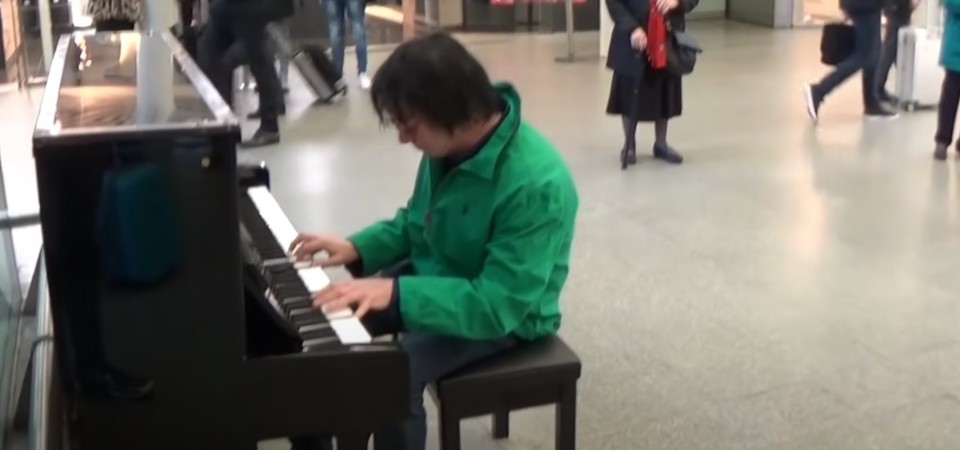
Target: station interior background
(788,287)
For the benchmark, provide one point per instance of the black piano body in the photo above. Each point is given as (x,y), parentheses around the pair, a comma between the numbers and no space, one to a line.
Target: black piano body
(150,273)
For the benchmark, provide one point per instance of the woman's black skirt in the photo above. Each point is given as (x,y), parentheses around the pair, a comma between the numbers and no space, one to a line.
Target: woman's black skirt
(657,95)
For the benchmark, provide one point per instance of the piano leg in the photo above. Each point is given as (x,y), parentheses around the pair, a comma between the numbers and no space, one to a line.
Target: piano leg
(353,441)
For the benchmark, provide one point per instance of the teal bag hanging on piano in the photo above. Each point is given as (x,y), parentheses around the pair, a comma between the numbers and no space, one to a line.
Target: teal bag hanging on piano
(138,225)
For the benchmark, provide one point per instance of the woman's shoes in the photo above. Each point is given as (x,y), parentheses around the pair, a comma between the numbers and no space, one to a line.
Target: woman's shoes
(940,152)
(667,153)
(628,157)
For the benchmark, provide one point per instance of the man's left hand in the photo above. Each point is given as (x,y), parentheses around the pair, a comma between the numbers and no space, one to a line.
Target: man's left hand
(667,5)
(365,294)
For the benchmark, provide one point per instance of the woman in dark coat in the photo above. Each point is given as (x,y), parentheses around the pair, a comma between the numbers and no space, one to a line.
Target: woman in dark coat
(639,92)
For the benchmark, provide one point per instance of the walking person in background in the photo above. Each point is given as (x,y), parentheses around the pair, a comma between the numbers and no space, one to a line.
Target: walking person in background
(115,15)
(642,89)
(237,32)
(283,57)
(898,14)
(950,92)
(280,31)
(865,15)
(354,9)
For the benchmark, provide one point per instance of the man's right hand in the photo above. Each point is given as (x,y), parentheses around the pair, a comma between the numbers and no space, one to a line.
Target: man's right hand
(339,250)
(638,39)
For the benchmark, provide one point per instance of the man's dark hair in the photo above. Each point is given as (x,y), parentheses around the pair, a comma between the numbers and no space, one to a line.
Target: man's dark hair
(435,79)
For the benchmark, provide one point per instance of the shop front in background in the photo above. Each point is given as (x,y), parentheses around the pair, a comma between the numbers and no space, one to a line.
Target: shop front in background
(384,23)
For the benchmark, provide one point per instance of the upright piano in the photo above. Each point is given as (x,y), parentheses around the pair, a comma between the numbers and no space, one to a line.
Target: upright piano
(180,320)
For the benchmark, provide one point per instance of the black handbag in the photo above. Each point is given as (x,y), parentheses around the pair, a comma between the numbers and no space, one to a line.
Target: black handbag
(682,51)
(837,43)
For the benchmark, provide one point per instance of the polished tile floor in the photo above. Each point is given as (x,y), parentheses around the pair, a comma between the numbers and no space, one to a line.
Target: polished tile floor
(788,287)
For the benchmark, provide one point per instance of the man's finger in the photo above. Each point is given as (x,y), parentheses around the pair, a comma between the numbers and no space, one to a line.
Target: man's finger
(300,239)
(333,260)
(326,295)
(336,306)
(362,309)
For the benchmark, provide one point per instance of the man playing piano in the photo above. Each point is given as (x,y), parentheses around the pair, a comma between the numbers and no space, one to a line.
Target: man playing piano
(487,230)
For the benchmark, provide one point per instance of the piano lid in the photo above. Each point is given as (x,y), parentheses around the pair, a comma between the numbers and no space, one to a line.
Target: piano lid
(127,82)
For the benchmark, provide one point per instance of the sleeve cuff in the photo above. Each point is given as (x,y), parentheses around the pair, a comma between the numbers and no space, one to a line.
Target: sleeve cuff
(370,250)
(393,311)
(355,269)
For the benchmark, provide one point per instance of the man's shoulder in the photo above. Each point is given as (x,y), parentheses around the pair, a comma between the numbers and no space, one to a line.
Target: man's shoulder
(532,163)
(532,154)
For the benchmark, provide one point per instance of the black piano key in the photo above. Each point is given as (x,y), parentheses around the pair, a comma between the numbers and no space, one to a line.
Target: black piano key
(309,319)
(296,303)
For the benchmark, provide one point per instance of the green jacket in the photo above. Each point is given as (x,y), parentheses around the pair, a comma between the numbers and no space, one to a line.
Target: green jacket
(489,242)
(950,52)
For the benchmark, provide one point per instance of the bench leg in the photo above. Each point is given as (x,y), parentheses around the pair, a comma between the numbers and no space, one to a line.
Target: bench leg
(566,417)
(501,424)
(449,431)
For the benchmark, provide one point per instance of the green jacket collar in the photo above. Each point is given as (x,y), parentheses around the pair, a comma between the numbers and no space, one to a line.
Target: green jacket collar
(485,161)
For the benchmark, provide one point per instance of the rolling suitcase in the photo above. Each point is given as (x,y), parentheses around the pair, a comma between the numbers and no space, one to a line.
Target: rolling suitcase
(318,71)
(918,74)
(314,66)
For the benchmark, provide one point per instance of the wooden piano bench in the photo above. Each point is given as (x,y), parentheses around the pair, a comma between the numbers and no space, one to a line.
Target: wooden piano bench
(539,373)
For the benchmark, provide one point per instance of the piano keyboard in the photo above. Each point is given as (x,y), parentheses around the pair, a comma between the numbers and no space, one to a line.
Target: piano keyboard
(291,284)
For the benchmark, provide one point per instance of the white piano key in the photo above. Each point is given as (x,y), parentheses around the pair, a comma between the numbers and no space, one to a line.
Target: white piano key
(339,314)
(314,278)
(283,231)
(351,331)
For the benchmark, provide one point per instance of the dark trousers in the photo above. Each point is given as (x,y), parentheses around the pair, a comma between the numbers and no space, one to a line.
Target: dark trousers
(865,57)
(888,54)
(947,110)
(431,357)
(228,42)
(186,12)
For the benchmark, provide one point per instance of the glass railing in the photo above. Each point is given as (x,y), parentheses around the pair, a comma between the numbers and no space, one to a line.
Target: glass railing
(10,299)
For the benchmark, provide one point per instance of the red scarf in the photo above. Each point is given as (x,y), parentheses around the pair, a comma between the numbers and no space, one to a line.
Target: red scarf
(656,38)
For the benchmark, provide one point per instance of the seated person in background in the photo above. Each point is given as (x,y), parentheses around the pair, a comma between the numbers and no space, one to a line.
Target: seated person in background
(488,227)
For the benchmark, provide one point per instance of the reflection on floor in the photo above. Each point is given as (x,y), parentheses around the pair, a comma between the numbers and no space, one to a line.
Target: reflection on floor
(789,287)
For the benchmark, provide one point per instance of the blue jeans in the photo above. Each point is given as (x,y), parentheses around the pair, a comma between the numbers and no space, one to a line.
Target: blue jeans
(335,17)
(431,358)
(866,55)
